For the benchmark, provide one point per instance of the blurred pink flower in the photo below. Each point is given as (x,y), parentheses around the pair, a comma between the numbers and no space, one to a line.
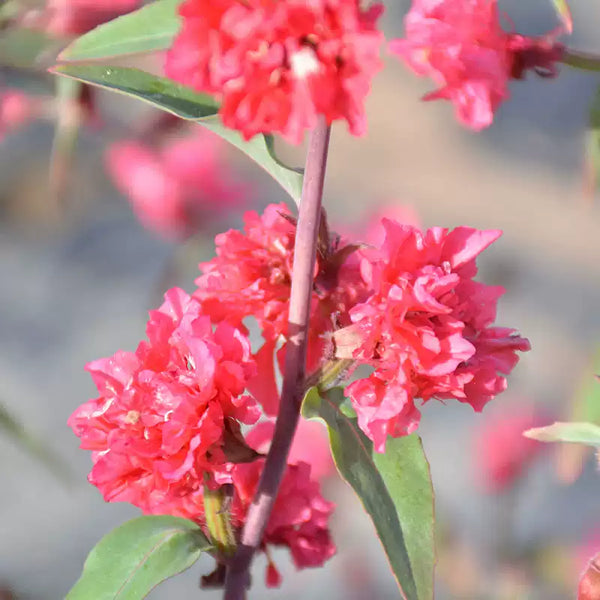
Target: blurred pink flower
(502,453)
(16,109)
(175,189)
(462,47)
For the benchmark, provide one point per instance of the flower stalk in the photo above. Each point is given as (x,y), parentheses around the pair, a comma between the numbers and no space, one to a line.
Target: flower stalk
(293,388)
(581,60)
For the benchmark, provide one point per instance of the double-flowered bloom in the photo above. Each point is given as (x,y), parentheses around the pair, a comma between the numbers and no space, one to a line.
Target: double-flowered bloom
(276,65)
(462,46)
(172,417)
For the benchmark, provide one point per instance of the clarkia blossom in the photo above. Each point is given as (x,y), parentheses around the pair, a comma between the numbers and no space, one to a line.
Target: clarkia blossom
(251,273)
(275,65)
(169,422)
(425,328)
(462,46)
(159,428)
(251,277)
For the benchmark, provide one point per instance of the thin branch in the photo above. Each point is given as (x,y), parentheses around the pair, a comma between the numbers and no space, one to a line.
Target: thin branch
(307,231)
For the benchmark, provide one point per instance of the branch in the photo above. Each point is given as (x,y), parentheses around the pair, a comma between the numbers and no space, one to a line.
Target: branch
(292,392)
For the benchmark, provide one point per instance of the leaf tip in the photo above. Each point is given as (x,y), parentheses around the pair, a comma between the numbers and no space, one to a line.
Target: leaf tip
(533,434)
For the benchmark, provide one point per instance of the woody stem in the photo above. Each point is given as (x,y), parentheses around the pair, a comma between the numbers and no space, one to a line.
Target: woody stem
(293,387)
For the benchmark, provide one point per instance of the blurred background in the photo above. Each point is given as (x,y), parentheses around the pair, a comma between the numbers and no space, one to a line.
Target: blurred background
(100,215)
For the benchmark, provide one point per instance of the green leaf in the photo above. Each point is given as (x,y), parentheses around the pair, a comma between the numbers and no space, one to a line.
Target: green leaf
(394,488)
(584,405)
(148,29)
(260,150)
(134,558)
(581,433)
(179,100)
(160,92)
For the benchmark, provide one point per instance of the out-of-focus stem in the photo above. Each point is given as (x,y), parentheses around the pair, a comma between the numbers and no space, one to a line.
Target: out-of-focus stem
(307,231)
(581,60)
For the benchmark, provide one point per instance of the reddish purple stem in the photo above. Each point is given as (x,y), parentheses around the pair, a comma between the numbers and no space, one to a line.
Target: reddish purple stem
(292,392)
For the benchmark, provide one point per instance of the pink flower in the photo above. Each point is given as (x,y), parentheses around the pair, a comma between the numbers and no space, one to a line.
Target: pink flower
(589,584)
(462,47)
(251,274)
(299,519)
(502,453)
(278,64)
(251,277)
(425,329)
(155,196)
(176,189)
(16,109)
(165,413)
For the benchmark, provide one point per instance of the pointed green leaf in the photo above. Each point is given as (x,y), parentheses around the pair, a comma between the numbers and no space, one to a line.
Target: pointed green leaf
(581,433)
(179,100)
(160,92)
(394,488)
(148,29)
(260,150)
(584,405)
(134,558)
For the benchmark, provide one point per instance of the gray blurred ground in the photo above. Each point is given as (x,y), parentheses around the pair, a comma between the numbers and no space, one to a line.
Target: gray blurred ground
(81,290)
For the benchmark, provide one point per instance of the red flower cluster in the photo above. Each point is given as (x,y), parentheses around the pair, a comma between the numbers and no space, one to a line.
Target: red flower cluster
(278,64)
(169,418)
(461,45)
(410,309)
(168,422)
(175,189)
